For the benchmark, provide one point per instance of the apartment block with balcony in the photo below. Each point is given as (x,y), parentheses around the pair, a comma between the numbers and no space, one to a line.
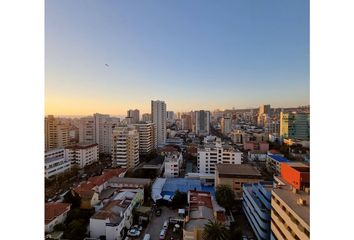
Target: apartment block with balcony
(290,214)
(256,206)
(147,137)
(125,149)
(273,163)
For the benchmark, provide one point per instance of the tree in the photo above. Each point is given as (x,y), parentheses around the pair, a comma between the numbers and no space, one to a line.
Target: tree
(215,231)
(236,234)
(76,230)
(225,196)
(73,198)
(179,199)
(60,227)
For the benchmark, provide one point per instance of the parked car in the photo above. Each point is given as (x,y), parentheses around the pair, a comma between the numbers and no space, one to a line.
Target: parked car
(162,234)
(134,232)
(165,225)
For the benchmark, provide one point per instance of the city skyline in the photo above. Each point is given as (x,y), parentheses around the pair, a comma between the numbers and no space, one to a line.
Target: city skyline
(109,57)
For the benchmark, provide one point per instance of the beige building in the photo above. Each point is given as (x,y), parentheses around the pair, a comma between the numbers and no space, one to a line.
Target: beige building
(125,148)
(56,133)
(234,175)
(226,125)
(290,215)
(147,137)
(87,130)
(134,115)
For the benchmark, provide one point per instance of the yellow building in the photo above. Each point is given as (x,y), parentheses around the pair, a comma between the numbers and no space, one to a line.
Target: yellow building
(234,175)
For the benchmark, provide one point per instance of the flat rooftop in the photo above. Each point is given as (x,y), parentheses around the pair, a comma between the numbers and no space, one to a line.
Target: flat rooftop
(300,166)
(279,158)
(286,194)
(238,170)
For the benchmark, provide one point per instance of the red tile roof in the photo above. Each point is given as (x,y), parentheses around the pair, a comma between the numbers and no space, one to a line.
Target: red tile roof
(53,210)
(199,198)
(85,188)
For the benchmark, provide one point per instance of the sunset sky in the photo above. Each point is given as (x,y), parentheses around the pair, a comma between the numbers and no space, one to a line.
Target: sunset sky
(192,54)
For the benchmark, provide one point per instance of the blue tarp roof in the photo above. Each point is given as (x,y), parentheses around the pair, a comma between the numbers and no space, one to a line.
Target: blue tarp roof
(184,185)
(279,158)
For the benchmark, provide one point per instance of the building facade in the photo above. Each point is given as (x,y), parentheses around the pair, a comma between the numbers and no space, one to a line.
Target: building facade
(125,149)
(55,162)
(56,133)
(295,126)
(173,164)
(290,214)
(235,175)
(87,130)
(202,122)
(211,154)
(158,117)
(134,115)
(226,125)
(82,154)
(147,137)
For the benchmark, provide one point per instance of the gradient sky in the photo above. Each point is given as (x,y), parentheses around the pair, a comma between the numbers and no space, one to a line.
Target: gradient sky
(193,54)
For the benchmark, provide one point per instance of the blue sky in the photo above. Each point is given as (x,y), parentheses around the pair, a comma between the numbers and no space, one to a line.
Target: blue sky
(192,54)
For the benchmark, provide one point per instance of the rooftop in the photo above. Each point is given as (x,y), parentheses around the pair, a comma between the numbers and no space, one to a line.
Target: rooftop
(139,181)
(299,166)
(290,198)
(53,210)
(279,158)
(238,169)
(82,146)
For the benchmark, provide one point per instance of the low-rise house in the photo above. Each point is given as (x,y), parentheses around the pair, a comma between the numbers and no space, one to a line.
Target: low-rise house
(55,213)
(202,208)
(115,218)
(90,190)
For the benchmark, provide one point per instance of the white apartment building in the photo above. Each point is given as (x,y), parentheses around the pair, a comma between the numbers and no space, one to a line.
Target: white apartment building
(226,125)
(214,153)
(158,116)
(147,137)
(202,122)
(125,148)
(87,130)
(82,154)
(103,129)
(173,164)
(55,162)
(134,115)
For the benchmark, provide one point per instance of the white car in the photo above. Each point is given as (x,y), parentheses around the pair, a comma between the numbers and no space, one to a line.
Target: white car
(162,234)
(134,232)
(165,225)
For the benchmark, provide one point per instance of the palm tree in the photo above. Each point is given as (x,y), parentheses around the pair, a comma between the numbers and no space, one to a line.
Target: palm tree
(215,231)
